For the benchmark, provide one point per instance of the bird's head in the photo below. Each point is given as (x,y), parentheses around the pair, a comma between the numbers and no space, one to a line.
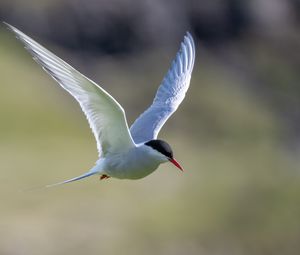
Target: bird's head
(164,151)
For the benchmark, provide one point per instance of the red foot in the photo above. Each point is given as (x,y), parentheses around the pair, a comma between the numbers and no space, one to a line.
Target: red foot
(104,176)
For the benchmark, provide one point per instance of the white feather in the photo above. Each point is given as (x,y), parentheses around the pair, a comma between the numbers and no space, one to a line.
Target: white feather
(168,96)
(105,115)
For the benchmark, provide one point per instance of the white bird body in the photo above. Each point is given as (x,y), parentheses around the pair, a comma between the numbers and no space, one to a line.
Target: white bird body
(123,153)
(135,163)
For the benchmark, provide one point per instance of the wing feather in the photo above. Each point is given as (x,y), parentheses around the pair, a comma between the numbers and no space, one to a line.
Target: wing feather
(105,115)
(169,95)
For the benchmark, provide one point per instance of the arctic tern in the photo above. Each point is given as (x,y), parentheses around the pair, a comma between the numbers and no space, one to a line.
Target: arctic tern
(123,153)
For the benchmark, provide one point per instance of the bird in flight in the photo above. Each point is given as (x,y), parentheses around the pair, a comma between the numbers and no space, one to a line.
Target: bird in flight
(123,153)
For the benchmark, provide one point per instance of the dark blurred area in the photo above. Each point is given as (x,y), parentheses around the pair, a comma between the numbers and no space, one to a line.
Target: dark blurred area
(100,26)
(237,133)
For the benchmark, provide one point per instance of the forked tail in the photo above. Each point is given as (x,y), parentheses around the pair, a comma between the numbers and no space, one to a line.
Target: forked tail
(87,174)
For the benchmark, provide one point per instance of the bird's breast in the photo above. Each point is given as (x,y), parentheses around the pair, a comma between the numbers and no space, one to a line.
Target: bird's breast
(134,164)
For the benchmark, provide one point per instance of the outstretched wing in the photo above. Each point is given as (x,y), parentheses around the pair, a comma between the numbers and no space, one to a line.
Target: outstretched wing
(105,115)
(170,94)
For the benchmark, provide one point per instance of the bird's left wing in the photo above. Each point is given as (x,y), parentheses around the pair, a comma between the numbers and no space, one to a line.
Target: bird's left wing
(105,115)
(169,95)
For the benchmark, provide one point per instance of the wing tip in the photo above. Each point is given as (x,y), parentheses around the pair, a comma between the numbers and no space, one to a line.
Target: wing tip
(18,34)
(188,36)
(6,24)
(188,48)
(9,26)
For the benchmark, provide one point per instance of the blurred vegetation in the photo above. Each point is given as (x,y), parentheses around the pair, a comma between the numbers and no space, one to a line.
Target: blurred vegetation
(236,134)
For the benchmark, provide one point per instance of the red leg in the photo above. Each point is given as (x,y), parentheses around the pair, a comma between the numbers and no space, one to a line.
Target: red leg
(104,176)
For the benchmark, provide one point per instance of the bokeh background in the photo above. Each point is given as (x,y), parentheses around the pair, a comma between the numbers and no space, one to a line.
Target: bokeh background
(237,133)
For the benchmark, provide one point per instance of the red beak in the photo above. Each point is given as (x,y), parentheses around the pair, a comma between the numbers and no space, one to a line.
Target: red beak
(174,162)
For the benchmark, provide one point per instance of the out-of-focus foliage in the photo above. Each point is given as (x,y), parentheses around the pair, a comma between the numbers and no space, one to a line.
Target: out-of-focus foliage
(236,134)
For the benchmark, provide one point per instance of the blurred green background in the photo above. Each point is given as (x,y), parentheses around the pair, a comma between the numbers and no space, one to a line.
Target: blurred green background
(237,133)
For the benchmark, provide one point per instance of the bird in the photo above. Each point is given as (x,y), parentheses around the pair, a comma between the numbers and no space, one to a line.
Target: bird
(123,153)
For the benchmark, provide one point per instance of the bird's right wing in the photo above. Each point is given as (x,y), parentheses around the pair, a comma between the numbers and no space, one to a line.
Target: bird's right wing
(170,94)
(105,115)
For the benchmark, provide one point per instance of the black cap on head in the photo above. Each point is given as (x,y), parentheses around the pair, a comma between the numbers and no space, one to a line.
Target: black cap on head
(162,147)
